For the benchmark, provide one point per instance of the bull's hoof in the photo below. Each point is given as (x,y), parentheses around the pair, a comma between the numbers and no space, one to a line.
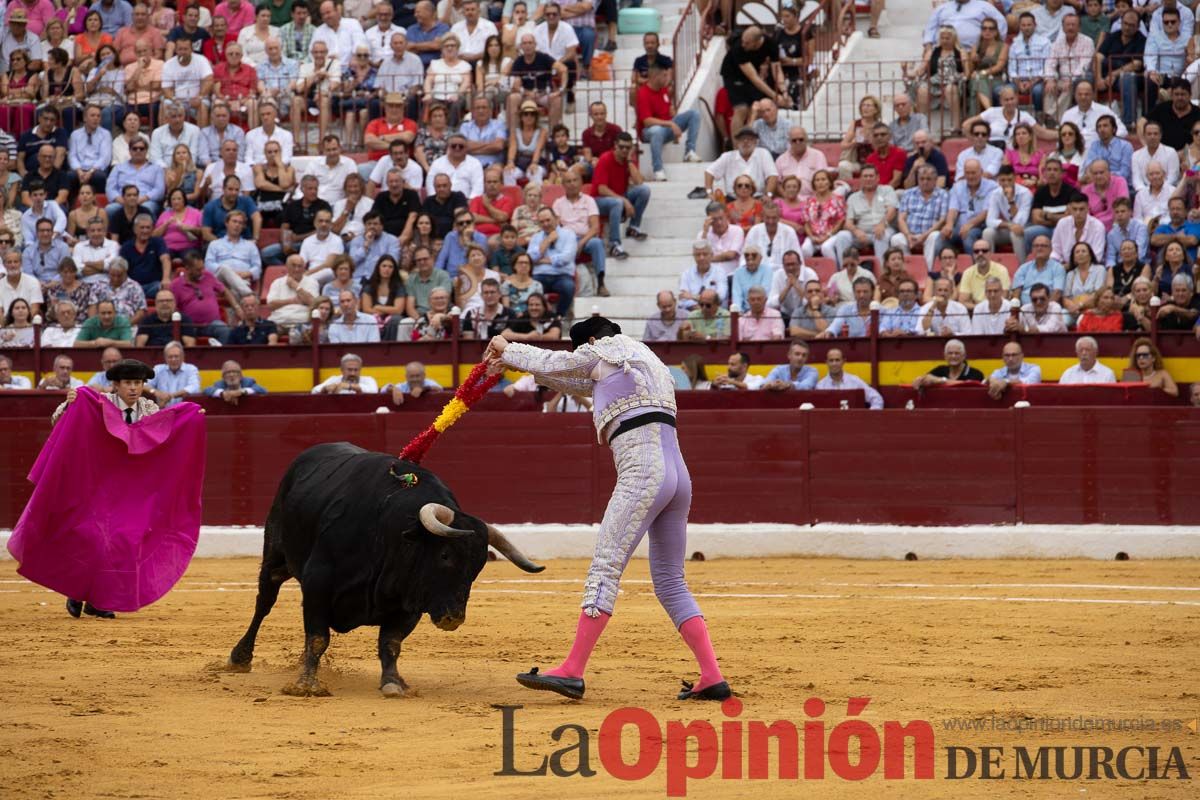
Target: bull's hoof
(393,690)
(234,666)
(307,687)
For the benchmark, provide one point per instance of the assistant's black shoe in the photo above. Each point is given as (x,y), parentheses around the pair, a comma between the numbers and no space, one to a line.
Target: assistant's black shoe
(718,691)
(697,193)
(567,687)
(74,607)
(92,611)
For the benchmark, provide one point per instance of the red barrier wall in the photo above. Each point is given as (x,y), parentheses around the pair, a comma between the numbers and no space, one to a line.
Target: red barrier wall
(934,467)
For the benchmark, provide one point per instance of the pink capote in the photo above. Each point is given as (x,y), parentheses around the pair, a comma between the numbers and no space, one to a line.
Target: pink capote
(115,511)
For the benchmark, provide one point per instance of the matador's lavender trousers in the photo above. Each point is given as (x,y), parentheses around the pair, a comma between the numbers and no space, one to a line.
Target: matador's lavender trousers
(652,496)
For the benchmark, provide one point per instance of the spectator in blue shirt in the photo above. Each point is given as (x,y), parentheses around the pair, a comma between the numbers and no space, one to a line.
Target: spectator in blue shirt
(1125,226)
(454,249)
(751,273)
(1014,371)
(89,151)
(905,318)
(968,210)
(1107,147)
(147,256)
(1040,269)
(42,256)
(487,137)
(425,35)
(234,260)
(174,380)
(1027,59)
(231,199)
(114,15)
(853,317)
(1178,228)
(553,251)
(138,171)
(796,374)
(234,385)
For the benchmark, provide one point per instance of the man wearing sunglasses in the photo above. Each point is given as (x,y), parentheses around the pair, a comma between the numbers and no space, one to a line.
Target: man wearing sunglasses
(990,158)
(801,160)
(620,192)
(138,171)
(465,171)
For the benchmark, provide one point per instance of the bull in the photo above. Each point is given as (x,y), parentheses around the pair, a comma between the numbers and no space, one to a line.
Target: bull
(373,540)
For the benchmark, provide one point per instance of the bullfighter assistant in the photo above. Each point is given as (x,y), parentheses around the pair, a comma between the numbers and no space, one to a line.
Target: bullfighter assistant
(634,412)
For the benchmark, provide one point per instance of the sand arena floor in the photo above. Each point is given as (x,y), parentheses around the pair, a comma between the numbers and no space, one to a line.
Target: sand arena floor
(129,708)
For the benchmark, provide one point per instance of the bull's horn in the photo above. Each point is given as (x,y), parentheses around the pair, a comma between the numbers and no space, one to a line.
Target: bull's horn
(507,549)
(437,518)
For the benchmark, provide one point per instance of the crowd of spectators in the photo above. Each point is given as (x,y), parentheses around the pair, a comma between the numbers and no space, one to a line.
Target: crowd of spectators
(155,165)
(168,149)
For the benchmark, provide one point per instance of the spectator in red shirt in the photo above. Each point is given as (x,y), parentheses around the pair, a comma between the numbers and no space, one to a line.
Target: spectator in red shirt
(392,126)
(198,293)
(214,47)
(888,160)
(236,82)
(492,209)
(620,192)
(600,137)
(657,122)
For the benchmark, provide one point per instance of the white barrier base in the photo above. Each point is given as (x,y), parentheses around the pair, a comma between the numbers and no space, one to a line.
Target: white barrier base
(1102,542)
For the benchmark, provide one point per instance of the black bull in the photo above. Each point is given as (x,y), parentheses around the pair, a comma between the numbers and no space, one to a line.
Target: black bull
(373,540)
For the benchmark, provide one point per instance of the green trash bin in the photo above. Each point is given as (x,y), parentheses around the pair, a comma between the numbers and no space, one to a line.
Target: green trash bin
(639,20)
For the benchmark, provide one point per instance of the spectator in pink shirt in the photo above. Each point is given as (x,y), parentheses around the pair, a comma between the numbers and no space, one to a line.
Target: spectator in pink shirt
(198,293)
(1103,191)
(726,239)
(38,13)
(239,13)
(800,160)
(759,323)
(127,39)
(1077,226)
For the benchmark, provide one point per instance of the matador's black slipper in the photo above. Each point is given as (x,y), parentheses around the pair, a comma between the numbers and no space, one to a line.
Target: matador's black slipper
(567,687)
(718,691)
(74,607)
(92,611)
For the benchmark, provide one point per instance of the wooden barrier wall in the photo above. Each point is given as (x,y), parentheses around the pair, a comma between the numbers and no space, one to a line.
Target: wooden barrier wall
(1115,465)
